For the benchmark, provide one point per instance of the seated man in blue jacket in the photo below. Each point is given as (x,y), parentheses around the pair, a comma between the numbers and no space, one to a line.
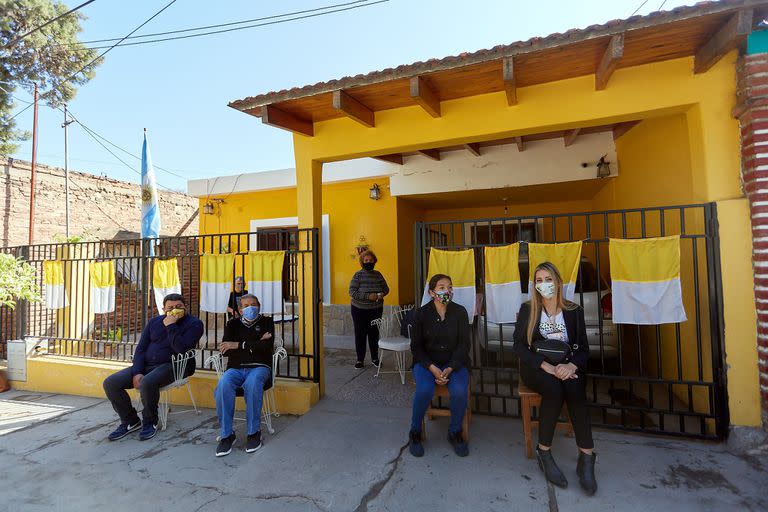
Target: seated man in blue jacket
(173,333)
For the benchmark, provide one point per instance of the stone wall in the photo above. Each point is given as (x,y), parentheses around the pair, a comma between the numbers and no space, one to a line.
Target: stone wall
(337,321)
(104,207)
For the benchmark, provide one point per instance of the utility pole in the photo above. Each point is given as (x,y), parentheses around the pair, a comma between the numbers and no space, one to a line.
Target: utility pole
(32,178)
(64,125)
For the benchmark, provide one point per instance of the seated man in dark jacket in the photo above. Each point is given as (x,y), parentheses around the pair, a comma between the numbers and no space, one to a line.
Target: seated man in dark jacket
(247,343)
(173,333)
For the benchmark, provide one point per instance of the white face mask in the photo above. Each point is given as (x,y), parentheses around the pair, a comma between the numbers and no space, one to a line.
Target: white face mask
(546,289)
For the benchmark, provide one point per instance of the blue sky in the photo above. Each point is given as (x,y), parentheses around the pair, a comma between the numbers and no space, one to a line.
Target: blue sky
(179,90)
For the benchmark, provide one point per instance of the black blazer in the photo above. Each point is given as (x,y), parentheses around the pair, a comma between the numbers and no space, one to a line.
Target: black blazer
(577,337)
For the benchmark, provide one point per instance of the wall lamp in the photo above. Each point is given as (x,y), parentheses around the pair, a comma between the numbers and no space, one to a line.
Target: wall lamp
(375,192)
(603,167)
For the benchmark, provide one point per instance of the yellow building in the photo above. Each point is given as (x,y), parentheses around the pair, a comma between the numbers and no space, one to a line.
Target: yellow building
(625,130)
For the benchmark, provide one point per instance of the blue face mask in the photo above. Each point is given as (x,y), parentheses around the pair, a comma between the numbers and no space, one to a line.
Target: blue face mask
(251,313)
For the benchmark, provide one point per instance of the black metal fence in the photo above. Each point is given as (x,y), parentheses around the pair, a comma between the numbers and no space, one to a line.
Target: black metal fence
(77,332)
(666,379)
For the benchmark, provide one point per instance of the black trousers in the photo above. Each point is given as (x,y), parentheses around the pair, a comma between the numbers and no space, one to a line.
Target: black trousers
(553,393)
(361,319)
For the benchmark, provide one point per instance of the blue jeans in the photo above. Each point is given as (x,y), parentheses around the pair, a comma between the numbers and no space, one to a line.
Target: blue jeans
(458,381)
(252,381)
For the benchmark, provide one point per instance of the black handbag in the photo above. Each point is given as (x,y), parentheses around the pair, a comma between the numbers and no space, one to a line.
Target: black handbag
(554,351)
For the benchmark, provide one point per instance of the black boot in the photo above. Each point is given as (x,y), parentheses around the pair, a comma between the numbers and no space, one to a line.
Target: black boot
(549,467)
(586,471)
(415,446)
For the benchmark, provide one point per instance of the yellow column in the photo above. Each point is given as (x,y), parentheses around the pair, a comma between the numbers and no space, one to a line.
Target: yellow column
(309,198)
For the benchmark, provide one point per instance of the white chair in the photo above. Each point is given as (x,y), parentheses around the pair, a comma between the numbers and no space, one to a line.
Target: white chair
(397,344)
(269,403)
(179,362)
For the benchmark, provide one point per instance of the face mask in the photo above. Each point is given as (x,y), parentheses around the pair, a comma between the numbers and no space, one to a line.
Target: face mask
(369,266)
(546,289)
(177,312)
(443,296)
(251,313)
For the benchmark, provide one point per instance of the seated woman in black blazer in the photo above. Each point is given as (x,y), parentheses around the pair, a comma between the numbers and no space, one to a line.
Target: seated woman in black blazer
(548,316)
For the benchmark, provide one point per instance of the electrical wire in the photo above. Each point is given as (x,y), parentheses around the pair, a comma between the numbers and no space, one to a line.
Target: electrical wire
(20,111)
(236,28)
(662,5)
(110,48)
(14,41)
(90,198)
(640,7)
(206,27)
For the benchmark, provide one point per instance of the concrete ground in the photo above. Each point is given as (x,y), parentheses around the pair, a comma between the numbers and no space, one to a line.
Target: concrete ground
(348,453)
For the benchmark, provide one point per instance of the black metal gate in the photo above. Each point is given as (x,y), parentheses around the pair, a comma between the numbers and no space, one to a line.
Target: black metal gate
(665,379)
(76,331)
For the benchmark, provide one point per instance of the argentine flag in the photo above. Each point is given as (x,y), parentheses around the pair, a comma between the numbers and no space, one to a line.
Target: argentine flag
(150,212)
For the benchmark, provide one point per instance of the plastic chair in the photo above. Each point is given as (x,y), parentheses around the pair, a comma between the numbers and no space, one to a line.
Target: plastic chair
(397,344)
(269,402)
(179,362)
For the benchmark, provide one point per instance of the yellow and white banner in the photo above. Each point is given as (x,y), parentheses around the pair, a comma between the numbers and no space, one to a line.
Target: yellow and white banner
(216,282)
(460,267)
(165,280)
(264,277)
(53,285)
(645,281)
(102,286)
(565,257)
(503,294)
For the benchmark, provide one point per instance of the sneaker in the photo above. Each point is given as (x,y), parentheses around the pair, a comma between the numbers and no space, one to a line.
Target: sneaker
(359,365)
(148,431)
(415,446)
(459,446)
(123,430)
(375,362)
(254,442)
(225,445)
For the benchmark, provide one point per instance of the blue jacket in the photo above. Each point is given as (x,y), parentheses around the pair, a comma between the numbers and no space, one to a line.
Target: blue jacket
(158,342)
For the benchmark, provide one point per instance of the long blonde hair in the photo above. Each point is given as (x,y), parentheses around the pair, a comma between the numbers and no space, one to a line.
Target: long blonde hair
(537,302)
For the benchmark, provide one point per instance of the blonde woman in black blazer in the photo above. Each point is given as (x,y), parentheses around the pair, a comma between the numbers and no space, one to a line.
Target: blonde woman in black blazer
(549,315)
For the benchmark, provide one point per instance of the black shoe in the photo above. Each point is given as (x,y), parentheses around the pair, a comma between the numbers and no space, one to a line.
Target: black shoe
(123,430)
(254,442)
(549,467)
(585,468)
(459,446)
(359,365)
(225,445)
(148,431)
(375,362)
(415,446)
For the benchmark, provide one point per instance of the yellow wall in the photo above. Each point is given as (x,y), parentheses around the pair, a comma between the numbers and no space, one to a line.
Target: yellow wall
(351,214)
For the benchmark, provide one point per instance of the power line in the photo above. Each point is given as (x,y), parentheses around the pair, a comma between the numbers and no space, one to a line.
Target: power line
(110,48)
(640,7)
(236,28)
(206,27)
(99,206)
(662,5)
(13,42)
(20,111)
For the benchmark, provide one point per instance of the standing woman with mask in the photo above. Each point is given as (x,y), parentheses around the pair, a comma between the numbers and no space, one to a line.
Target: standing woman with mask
(548,319)
(440,345)
(367,290)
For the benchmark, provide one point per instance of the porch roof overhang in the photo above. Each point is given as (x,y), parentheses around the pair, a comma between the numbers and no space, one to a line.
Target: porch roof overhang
(707,31)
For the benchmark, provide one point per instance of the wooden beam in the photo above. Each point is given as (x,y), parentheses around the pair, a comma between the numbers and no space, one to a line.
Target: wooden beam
(434,154)
(733,33)
(520,144)
(425,95)
(622,128)
(510,85)
(353,109)
(473,148)
(613,54)
(279,118)
(393,159)
(570,136)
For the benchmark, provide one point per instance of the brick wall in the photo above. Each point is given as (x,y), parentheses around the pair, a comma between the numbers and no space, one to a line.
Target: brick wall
(752,111)
(103,206)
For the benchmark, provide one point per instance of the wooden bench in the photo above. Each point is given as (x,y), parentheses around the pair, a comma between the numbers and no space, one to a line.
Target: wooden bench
(528,400)
(442,392)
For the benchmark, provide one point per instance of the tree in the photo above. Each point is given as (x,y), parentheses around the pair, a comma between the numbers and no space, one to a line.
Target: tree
(51,58)
(17,281)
